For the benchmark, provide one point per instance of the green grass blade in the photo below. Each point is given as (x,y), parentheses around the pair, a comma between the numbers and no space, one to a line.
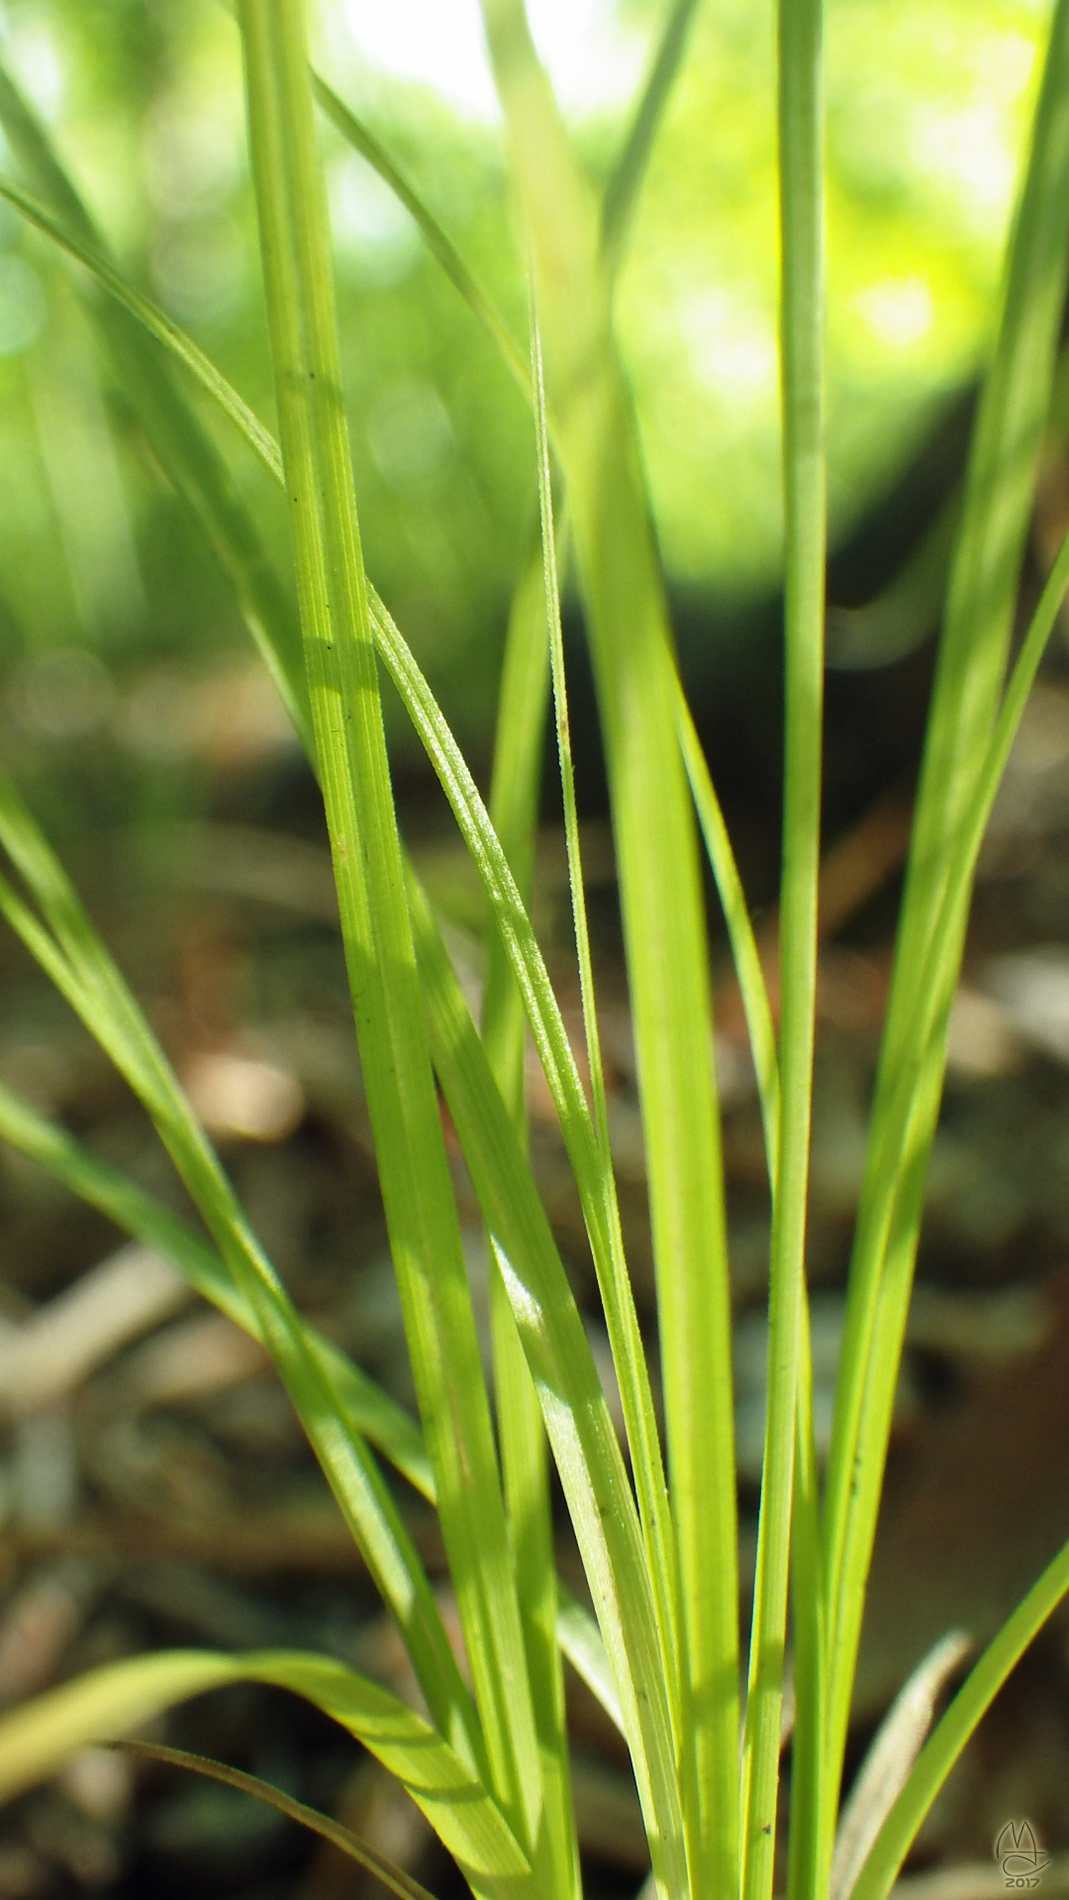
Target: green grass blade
(79,966)
(806,1840)
(954,1730)
(564,746)
(514,794)
(521,1435)
(440,245)
(657,863)
(36,1739)
(514,807)
(375,1415)
(744,951)
(640,1424)
(889,1758)
(151,317)
(972,659)
(379,1865)
(625,181)
(801,124)
(350,744)
(179,442)
(528,1506)
(576,1416)
(898,1130)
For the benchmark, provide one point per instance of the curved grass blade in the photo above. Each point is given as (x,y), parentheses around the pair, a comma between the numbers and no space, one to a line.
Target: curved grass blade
(385,1870)
(899,1129)
(891,1755)
(156,321)
(955,1728)
(82,970)
(564,742)
(440,245)
(183,448)
(521,1433)
(547,1027)
(514,793)
(36,1740)
(372,1410)
(367,1406)
(969,677)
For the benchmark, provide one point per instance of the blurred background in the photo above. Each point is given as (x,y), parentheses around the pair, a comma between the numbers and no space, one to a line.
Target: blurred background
(153,1487)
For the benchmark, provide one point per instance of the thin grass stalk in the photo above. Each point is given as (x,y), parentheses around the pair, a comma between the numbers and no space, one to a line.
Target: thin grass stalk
(564,744)
(744,951)
(525,679)
(625,180)
(801,171)
(438,242)
(639,1422)
(421,1213)
(972,660)
(805,1843)
(520,1423)
(664,926)
(521,1434)
(514,799)
(379,1866)
(39,1736)
(901,1150)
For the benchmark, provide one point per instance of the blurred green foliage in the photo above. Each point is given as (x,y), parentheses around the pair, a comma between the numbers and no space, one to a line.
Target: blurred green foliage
(101,573)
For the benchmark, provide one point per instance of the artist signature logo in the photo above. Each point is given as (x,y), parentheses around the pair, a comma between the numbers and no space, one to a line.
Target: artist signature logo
(1019,1855)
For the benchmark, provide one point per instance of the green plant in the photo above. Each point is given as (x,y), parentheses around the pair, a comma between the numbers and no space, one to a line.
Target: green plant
(489,1764)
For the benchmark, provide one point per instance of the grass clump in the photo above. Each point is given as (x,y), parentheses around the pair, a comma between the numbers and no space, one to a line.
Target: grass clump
(657,1530)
